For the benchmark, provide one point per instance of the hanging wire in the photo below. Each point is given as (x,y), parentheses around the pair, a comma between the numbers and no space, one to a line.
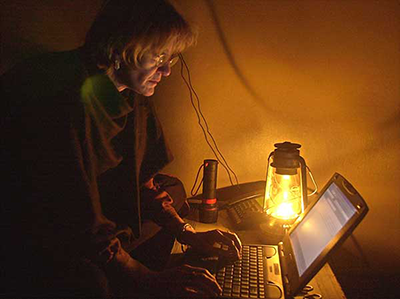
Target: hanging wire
(195,182)
(199,113)
(200,117)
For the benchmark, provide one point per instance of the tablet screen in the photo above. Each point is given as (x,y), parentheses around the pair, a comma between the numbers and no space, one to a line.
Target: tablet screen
(320,226)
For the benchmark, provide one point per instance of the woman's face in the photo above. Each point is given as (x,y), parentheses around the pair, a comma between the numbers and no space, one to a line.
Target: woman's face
(144,80)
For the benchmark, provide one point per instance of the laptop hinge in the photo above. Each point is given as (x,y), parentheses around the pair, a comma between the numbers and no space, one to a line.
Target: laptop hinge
(285,276)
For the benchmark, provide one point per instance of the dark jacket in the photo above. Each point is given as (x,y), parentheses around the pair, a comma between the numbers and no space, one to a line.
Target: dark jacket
(74,154)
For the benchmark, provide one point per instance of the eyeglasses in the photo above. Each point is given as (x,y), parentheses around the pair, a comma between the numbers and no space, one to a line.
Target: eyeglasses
(163,59)
(156,61)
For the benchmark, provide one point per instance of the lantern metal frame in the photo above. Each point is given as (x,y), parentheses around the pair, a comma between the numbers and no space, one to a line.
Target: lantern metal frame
(285,159)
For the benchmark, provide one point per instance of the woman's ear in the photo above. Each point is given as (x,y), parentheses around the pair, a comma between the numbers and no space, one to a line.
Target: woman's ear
(117,62)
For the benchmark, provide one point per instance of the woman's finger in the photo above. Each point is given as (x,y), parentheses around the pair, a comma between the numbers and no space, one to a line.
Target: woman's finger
(234,238)
(192,269)
(201,279)
(227,243)
(194,293)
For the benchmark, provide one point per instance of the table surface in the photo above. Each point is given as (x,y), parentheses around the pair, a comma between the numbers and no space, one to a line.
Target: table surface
(324,283)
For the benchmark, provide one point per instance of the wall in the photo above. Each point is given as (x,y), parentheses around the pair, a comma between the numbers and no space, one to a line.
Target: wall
(324,74)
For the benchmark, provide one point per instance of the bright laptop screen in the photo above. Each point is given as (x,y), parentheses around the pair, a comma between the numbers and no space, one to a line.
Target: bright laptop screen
(326,218)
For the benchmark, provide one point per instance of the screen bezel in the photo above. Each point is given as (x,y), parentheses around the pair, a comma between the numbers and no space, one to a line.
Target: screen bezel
(297,282)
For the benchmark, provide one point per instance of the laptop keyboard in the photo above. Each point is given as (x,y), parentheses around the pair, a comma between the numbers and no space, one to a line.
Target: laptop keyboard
(244,278)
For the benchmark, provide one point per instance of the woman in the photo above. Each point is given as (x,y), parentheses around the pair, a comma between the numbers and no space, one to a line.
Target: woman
(82,149)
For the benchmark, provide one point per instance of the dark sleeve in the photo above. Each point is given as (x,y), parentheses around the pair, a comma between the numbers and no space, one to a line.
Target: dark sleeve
(167,211)
(51,219)
(54,202)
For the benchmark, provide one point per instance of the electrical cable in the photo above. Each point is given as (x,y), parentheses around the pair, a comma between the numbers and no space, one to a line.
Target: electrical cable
(306,293)
(200,116)
(312,296)
(195,181)
(199,113)
(308,288)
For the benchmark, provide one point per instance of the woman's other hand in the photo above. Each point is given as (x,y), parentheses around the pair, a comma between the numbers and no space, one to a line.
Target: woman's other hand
(214,243)
(182,281)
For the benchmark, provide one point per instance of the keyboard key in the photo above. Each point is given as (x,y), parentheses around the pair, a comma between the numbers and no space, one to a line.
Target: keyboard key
(245,277)
(228,285)
(253,290)
(236,279)
(236,289)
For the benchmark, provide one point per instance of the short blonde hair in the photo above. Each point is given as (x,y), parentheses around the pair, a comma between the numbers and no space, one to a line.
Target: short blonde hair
(135,28)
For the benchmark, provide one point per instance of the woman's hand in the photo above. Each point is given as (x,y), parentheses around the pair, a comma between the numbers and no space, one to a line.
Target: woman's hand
(183,281)
(214,243)
(129,278)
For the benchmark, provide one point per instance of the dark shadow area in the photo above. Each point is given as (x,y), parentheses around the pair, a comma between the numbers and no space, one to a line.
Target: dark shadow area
(18,50)
(359,281)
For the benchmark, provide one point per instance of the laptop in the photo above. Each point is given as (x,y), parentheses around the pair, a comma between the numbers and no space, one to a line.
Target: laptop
(283,270)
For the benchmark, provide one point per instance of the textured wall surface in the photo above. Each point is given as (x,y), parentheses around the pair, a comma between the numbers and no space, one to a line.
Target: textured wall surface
(325,74)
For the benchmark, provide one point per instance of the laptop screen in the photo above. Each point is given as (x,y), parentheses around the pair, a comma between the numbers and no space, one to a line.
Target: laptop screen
(328,216)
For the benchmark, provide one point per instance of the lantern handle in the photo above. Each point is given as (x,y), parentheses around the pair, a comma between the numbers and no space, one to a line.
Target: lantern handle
(313,180)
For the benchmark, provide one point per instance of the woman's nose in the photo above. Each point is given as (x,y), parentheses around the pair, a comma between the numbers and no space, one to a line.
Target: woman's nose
(165,69)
